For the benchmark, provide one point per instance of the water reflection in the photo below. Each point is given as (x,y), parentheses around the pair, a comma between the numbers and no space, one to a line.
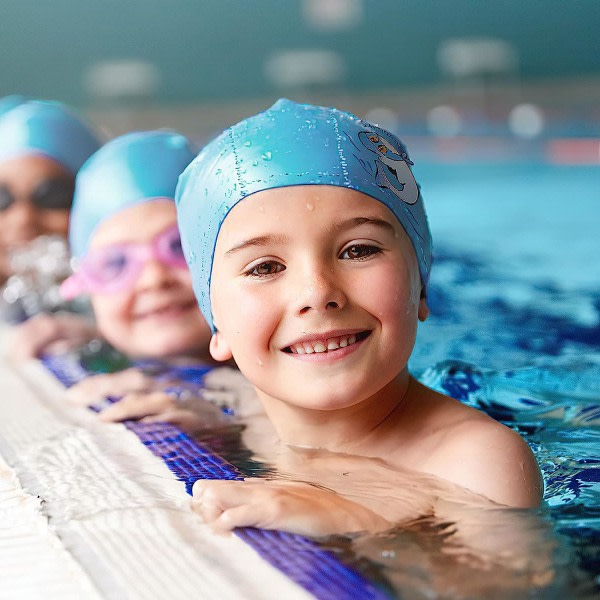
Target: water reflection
(462,546)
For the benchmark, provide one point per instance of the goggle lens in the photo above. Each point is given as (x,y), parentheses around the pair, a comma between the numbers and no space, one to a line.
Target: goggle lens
(116,267)
(50,194)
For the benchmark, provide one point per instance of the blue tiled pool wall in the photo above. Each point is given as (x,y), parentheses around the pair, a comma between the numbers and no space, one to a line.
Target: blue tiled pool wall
(317,570)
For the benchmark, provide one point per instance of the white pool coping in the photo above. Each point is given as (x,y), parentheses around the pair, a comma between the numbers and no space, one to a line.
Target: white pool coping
(86,511)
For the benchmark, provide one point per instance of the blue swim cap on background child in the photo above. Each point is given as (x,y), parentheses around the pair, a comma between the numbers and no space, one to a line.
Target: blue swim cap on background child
(131,169)
(294,144)
(9,102)
(48,129)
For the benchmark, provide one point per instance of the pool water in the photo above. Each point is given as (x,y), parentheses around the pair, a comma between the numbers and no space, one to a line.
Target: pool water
(515,329)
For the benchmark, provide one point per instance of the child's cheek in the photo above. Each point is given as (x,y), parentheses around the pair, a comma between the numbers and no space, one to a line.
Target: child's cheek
(245,312)
(390,293)
(111,312)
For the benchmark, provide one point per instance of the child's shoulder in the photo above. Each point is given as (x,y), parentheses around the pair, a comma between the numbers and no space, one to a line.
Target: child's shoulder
(478,453)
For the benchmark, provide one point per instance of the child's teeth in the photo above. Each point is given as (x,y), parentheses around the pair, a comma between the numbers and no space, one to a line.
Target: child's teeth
(330,344)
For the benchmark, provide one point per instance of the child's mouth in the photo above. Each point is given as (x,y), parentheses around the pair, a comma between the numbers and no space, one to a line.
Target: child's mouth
(327,345)
(167,311)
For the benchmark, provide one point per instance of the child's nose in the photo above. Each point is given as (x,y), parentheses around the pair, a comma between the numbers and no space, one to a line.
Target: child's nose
(155,274)
(320,291)
(22,221)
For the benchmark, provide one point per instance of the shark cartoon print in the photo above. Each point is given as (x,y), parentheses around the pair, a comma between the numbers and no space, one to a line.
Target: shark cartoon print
(393,170)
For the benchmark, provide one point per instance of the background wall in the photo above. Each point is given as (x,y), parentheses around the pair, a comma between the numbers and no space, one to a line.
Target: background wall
(124,60)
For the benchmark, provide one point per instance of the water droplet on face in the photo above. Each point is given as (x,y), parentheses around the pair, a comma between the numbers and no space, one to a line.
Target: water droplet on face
(254,163)
(218,171)
(310,206)
(267,155)
(247,143)
(259,362)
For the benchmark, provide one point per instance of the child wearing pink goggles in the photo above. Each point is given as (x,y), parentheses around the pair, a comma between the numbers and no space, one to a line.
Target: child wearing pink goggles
(127,253)
(116,267)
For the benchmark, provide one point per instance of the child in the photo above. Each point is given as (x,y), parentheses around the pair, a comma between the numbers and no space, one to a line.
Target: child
(127,254)
(310,252)
(42,146)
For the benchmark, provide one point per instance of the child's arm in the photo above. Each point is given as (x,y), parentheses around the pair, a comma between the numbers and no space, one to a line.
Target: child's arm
(192,415)
(296,507)
(88,391)
(45,333)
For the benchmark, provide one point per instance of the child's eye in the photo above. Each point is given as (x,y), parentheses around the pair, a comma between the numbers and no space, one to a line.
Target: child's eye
(264,269)
(359,251)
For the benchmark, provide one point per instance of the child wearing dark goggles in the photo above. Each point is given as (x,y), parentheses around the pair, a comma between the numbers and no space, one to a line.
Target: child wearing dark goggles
(42,146)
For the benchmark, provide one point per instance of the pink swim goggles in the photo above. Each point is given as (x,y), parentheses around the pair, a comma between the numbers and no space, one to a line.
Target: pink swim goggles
(116,267)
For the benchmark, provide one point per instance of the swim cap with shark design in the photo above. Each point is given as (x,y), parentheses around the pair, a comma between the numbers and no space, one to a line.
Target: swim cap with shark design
(294,144)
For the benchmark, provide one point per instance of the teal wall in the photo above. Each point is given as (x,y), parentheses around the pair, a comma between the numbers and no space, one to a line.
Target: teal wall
(214,49)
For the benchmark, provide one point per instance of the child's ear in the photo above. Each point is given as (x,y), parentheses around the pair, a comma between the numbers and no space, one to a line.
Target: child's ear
(219,348)
(423,308)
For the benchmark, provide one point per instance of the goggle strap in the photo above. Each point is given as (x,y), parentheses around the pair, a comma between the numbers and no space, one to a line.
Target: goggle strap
(72,287)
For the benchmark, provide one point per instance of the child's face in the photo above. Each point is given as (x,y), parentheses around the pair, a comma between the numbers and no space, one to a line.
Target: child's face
(28,185)
(302,268)
(157,315)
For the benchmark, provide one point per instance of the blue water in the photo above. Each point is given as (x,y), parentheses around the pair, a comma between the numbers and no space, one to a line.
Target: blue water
(515,327)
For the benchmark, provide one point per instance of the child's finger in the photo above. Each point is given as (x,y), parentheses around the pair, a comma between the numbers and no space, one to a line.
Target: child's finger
(244,515)
(87,391)
(135,406)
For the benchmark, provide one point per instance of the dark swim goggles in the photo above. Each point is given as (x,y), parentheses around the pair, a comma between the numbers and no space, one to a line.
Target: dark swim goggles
(50,194)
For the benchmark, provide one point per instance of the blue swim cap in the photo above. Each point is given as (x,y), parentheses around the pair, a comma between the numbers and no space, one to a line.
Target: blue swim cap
(131,169)
(294,144)
(49,129)
(9,102)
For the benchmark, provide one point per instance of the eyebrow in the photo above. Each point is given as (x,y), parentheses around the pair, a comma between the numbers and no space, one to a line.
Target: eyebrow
(265,240)
(261,240)
(357,221)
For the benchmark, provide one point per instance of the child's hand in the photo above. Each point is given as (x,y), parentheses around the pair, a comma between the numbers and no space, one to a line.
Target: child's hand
(295,507)
(88,391)
(50,334)
(161,406)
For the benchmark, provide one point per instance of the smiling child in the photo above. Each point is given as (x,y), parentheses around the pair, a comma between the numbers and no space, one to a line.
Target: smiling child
(42,146)
(128,259)
(310,252)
